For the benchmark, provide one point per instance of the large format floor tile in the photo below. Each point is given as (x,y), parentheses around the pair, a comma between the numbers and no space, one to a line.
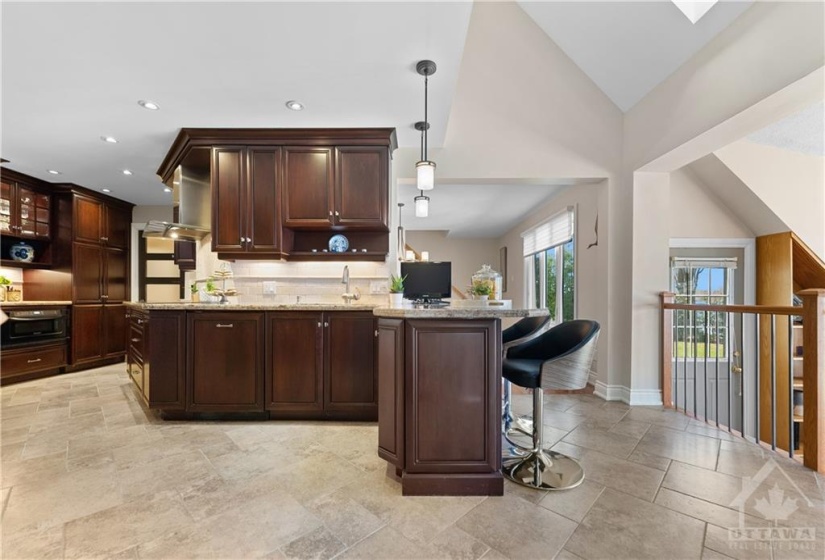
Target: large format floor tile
(88,472)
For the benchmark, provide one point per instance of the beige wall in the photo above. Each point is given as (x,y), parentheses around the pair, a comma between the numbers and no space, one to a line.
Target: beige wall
(466,255)
(591,264)
(696,212)
(791,183)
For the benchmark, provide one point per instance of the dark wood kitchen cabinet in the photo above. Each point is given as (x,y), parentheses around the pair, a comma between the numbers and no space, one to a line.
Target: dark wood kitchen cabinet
(98,333)
(390,374)
(101,223)
(295,364)
(321,365)
(156,359)
(24,211)
(246,201)
(344,188)
(224,362)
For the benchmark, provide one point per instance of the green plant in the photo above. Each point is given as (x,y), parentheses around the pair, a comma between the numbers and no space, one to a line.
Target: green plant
(193,288)
(397,284)
(4,281)
(210,285)
(482,289)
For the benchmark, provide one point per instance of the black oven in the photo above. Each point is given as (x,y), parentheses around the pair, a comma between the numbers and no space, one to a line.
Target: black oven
(30,326)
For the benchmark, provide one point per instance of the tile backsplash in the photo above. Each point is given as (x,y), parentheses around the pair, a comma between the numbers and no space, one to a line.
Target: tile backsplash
(294,282)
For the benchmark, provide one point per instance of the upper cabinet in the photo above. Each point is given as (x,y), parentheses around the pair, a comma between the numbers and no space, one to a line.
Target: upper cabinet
(101,223)
(282,193)
(246,184)
(24,212)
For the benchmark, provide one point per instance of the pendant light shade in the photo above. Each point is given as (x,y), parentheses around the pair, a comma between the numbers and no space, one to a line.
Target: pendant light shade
(402,241)
(425,175)
(424,169)
(422,206)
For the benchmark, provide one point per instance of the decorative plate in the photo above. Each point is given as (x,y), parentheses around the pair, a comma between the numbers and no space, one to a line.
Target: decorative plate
(22,252)
(338,243)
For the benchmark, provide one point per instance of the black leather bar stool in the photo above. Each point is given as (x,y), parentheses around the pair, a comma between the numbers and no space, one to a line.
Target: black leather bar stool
(560,358)
(523,331)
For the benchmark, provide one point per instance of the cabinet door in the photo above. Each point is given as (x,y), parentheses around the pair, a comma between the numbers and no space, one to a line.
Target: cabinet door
(294,362)
(117,224)
(87,333)
(262,200)
(87,277)
(26,212)
(6,203)
(88,219)
(135,352)
(391,394)
(43,216)
(164,364)
(361,186)
(308,196)
(115,275)
(228,212)
(350,385)
(114,330)
(225,361)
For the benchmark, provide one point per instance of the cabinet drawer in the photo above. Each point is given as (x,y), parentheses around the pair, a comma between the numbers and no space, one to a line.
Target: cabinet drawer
(16,362)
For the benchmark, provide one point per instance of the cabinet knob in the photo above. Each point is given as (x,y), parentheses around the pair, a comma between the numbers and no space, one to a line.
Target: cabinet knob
(249,240)
(376,333)
(336,213)
(104,239)
(227,326)
(326,324)
(104,297)
(140,321)
(135,340)
(330,212)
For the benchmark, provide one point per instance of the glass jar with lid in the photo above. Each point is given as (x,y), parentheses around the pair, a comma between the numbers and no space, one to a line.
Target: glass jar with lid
(491,278)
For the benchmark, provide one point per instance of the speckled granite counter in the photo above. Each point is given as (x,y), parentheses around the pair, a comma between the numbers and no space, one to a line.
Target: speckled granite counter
(251,306)
(32,303)
(456,312)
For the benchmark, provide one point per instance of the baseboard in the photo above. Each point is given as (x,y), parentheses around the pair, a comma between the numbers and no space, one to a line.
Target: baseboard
(639,397)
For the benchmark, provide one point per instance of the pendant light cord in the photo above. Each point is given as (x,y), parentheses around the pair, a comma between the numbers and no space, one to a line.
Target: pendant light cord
(426,122)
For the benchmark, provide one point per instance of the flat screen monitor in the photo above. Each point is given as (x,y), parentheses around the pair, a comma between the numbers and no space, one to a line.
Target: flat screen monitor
(427,280)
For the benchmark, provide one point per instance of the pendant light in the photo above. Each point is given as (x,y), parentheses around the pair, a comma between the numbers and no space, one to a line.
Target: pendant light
(425,169)
(422,202)
(402,242)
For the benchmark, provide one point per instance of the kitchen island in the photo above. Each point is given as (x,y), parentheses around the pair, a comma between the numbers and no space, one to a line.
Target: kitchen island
(305,361)
(439,405)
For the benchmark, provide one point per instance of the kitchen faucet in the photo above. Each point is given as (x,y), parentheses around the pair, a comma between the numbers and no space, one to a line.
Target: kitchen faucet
(347,295)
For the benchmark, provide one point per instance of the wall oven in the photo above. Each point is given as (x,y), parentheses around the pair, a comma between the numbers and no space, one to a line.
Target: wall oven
(33,326)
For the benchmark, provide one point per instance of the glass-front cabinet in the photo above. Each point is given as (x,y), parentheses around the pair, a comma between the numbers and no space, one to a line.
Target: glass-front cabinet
(24,212)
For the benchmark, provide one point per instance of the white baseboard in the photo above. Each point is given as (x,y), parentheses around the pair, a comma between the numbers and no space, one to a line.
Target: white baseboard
(645,397)
(639,397)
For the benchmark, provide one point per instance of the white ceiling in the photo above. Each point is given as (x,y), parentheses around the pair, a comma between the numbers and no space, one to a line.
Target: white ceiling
(476,210)
(628,48)
(801,132)
(73,72)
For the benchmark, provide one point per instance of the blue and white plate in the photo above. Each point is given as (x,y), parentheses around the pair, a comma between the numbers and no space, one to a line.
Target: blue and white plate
(338,243)
(22,252)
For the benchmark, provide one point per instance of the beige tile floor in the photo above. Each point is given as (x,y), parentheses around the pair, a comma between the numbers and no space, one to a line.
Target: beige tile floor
(87,472)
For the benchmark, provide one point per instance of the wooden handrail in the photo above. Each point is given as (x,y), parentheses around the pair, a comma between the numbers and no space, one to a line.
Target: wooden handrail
(757,309)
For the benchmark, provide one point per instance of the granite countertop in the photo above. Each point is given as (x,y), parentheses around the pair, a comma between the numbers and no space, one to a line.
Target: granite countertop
(252,306)
(32,303)
(456,312)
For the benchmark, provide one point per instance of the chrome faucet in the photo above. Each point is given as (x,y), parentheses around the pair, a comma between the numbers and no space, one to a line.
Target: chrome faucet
(347,295)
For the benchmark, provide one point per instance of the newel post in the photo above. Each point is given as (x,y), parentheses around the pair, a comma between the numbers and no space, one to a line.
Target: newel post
(813,378)
(667,349)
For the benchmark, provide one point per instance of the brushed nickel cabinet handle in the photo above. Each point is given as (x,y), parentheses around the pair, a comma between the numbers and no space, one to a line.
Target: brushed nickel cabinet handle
(326,324)
(376,333)
(319,324)
(336,213)
(330,212)
(135,340)
(34,361)
(228,326)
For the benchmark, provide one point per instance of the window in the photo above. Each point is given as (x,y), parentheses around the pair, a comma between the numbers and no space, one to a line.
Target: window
(549,265)
(701,334)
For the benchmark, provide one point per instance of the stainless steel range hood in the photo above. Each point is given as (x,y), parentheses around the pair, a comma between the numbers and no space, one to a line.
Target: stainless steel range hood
(192,196)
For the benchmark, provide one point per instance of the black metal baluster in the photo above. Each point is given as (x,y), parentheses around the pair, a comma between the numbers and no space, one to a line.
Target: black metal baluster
(716,375)
(741,374)
(695,358)
(773,382)
(707,349)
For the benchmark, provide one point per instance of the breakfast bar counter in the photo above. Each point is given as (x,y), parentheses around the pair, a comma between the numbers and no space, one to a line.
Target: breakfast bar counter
(439,403)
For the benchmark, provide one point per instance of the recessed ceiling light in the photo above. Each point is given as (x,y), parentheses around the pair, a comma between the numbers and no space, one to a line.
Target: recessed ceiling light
(127,172)
(167,189)
(151,105)
(295,105)
(109,139)
(106,190)
(52,172)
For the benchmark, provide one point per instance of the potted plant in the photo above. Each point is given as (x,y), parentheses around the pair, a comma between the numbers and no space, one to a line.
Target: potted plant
(482,291)
(193,289)
(397,290)
(5,284)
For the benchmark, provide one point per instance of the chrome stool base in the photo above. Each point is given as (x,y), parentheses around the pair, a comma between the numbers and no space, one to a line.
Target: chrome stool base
(544,470)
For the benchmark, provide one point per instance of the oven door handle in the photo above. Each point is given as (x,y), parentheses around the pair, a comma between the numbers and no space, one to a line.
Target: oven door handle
(24,319)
